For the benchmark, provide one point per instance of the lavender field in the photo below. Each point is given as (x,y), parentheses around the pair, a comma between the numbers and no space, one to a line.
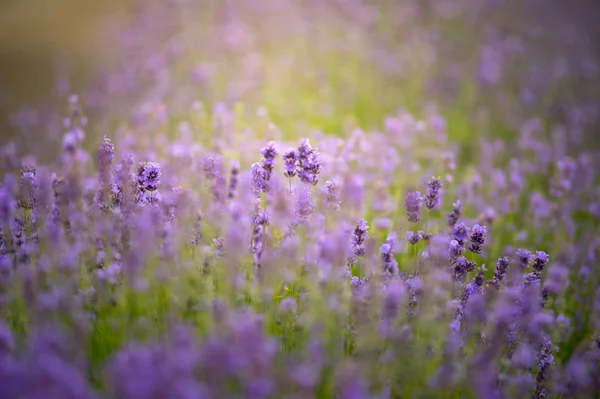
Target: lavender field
(310,199)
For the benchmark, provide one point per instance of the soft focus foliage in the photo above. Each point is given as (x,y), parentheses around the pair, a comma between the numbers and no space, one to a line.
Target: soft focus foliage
(284,199)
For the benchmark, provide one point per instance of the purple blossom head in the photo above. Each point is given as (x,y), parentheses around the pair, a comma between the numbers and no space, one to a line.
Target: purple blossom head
(390,265)
(540,261)
(455,214)
(268,161)
(27,188)
(105,154)
(290,158)
(501,267)
(309,166)
(304,206)
(478,234)
(432,199)
(359,236)
(259,179)
(412,238)
(460,266)
(460,232)
(455,249)
(152,175)
(233,179)
(523,258)
(413,204)
(148,176)
(332,199)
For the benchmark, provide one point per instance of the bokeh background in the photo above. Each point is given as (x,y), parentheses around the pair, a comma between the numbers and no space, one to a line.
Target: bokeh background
(315,65)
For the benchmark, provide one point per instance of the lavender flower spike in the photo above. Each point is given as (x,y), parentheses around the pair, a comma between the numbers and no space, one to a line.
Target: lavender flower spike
(259,179)
(432,199)
(332,199)
(359,237)
(540,261)
(455,214)
(460,232)
(268,161)
(105,154)
(412,238)
(151,176)
(477,238)
(290,158)
(413,204)
(390,266)
(309,166)
(523,258)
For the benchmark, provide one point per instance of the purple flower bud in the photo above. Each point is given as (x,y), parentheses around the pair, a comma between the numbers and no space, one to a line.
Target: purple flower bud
(455,214)
(105,154)
(268,161)
(27,188)
(540,261)
(432,199)
(233,180)
(332,199)
(461,266)
(455,249)
(259,179)
(412,237)
(477,238)
(304,206)
(289,163)
(413,204)
(148,176)
(523,258)
(309,166)
(460,232)
(390,266)
(359,236)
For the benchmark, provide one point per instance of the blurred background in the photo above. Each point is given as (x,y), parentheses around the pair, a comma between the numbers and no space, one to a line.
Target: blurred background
(328,65)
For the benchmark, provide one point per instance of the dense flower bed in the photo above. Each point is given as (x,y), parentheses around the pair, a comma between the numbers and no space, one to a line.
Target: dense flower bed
(208,253)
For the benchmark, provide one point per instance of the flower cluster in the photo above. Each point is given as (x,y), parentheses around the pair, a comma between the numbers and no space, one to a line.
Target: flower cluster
(171,261)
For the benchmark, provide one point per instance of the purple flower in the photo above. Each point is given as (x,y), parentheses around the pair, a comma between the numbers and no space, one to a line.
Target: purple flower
(233,179)
(309,166)
(540,261)
(455,214)
(523,258)
(390,266)
(304,206)
(500,271)
(268,161)
(215,174)
(455,249)
(412,237)
(332,199)
(27,188)
(460,232)
(260,222)
(432,199)
(105,154)
(289,162)
(461,266)
(413,204)
(477,238)
(359,236)
(148,176)
(259,179)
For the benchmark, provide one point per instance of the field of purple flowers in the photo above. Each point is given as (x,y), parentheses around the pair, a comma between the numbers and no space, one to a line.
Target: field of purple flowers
(322,199)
